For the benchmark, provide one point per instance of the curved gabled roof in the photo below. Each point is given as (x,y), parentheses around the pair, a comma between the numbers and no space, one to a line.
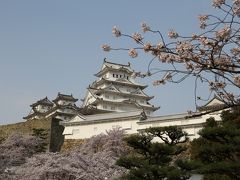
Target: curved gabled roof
(65,97)
(108,66)
(118,81)
(127,101)
(111,88)
(108,63)
(44,101)
(213,104)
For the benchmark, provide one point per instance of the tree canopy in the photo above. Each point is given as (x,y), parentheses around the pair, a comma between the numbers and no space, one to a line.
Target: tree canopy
(217,149)
(211,57)
(154,150)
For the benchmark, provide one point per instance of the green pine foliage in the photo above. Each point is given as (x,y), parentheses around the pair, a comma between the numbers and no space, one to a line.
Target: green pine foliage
(153,155)
(218,148)
(42,135)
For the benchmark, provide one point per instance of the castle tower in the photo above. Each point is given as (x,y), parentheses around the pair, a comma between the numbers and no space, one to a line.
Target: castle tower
(115,90)
(39,108)
(63,107)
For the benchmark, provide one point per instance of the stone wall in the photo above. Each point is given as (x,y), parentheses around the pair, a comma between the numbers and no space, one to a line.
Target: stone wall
(55,138)
(25,127)
(70,144)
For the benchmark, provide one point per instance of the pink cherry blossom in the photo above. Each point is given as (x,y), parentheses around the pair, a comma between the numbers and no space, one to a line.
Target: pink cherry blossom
(218,3)
(133,53)
(145,27)
(106,47)
(172,34)
(137,37)
(116,31)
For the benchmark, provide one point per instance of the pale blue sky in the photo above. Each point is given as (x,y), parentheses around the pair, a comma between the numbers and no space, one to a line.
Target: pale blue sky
(52,46)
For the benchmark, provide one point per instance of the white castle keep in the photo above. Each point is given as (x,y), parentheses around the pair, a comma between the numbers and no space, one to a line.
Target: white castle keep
(115,90)
(115,100)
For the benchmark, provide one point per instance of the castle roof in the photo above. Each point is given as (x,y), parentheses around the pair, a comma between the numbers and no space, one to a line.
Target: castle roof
(65,97)
(214,104)
(52,110)
(105,117)
(126,101)
(121,81)
(34,114)
(44,101)
(116,65)
(111,88)
(109,66)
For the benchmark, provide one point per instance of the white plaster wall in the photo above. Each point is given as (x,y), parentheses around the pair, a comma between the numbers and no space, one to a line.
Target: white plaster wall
(42,108)
(64,102)
(86,131)
(109,75)
(132,126)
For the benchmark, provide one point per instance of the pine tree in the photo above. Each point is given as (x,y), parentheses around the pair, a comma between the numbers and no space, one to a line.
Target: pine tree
(218,148)
(42,135)
(153,159)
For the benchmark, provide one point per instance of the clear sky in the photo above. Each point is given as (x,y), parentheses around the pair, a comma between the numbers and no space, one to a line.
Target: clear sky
(52,46)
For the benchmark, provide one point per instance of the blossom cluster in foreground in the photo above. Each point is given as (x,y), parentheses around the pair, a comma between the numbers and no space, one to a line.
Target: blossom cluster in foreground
(92,160)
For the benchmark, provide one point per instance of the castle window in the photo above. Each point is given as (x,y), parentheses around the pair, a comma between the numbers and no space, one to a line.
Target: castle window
(116,75)
(113,75)
(104,107)
(107,96)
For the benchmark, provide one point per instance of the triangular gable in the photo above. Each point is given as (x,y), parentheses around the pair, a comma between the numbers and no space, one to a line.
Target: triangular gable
(129,101)
(78,118)
(122,80)
(111,87)
(139,92)
(46,100)
(213,102)
(92,92)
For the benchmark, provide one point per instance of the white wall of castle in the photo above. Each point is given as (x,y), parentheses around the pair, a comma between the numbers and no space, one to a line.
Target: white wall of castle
(42,108)
(191,126)
(116,107)
(64,102)
(113,75)
(89,130)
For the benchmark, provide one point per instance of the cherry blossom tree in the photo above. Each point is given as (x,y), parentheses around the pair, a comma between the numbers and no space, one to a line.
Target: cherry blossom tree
(211,57)
(15,150)
(95,159)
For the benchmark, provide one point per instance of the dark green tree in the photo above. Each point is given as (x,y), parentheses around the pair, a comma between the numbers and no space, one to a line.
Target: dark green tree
(218,148)
(42,134)
(154,153)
